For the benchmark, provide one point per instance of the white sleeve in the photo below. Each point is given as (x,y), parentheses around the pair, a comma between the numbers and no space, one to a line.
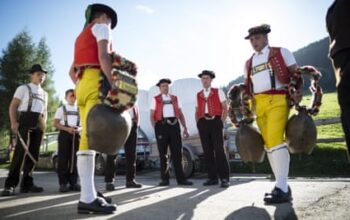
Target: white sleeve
(59,113)
(153,104)
(288,57)
(222,96)
(102,32)
(179,103)
(21,91)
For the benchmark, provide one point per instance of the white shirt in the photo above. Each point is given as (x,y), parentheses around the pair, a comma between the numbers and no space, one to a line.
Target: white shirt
(38,105)
(261,80)
(206,93)
(71,119)
(102,32)
(168,109)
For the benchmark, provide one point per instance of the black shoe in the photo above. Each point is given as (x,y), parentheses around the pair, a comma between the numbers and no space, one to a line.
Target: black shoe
(164,183)
(225,183)
(185,183)
(98,206)
(32,188)
(63,188)
(278,196)
(133,184)
(106,198)
(76,187)
(210,182)
(110,187)
(8,191)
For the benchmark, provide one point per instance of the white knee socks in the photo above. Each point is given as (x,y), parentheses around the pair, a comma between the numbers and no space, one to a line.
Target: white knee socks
(279,160)
(86,169)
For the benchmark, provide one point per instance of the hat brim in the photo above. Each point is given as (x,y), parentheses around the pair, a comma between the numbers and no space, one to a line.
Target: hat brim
(108,10)
(203,74)
(163,81)
(260,32)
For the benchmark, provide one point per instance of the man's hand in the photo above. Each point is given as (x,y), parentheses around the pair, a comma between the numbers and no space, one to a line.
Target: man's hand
(14,127)
(72,130)
(185,133)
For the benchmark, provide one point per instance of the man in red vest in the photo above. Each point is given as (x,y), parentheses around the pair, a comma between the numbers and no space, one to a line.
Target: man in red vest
(211,113)
(267,74)
(130,156)
(165,115)
(92,59)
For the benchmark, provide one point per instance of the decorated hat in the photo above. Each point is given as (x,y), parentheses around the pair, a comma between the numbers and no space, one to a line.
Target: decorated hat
(93,8)
(165,80)
(37,68)
(208,73)
(261,29)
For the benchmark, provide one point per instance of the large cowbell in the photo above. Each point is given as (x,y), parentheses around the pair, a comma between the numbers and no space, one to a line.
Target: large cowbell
(107,128)
(250,144)
(301,133)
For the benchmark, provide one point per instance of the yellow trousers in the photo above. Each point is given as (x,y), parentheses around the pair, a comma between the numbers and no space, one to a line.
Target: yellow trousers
(87,96)
(272,115)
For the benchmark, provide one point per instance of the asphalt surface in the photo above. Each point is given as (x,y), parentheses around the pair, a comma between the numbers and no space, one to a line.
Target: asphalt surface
(317,198)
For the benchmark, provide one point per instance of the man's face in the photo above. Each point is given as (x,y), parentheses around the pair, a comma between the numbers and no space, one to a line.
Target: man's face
(164,88)
(70,98)
(38,77)
(258,41)
(206,81)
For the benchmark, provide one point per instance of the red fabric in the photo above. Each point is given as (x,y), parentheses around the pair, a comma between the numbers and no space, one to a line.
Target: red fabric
(86,49)
(214,104)
(278,65)
(158,113)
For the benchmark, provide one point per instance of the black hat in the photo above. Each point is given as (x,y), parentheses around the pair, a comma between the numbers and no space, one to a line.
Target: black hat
(37,68)
(166,80)
(91,9)
(261,29)
(207,72)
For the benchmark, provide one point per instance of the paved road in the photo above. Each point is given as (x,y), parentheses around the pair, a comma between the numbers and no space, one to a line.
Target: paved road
(313,199)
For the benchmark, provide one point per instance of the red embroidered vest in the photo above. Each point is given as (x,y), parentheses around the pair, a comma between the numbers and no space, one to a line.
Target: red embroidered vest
(277,63)
(158,113)
(214,104)
(86,49)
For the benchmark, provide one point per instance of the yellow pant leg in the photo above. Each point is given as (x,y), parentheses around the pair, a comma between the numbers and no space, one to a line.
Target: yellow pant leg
(87,97)
(272,114)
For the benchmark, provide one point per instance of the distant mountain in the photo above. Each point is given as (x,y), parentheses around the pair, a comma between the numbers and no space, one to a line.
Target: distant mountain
(315,54)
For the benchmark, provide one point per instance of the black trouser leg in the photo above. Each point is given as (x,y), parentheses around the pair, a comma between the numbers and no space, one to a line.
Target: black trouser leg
(176,151)
(342,67)
(162,144)
(34,148)
(15,166)
(208,149)
(218,143)
(64,154)
(110,168)
(73,173)
(130,154)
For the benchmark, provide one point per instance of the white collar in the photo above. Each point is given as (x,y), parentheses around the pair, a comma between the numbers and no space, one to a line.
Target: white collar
(35,85)
(205,90)
(266,49)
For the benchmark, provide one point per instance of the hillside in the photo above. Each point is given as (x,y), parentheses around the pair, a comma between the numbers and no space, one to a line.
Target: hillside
(315,54)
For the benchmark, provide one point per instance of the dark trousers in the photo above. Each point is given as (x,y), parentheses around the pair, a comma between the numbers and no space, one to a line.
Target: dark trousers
(341,63)
(169,136)
(67,159)
(130,157)
(212,140)
(35,136)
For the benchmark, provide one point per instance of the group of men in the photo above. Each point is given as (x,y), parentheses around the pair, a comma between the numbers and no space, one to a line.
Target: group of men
(264,75)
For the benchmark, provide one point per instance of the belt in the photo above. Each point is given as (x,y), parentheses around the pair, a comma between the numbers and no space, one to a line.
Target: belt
(208,117)
(169,121)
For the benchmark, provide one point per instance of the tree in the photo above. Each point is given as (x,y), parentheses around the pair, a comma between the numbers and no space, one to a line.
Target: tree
(20,54)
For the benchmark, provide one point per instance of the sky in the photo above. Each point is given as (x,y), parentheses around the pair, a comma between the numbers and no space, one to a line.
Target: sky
(168,39)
